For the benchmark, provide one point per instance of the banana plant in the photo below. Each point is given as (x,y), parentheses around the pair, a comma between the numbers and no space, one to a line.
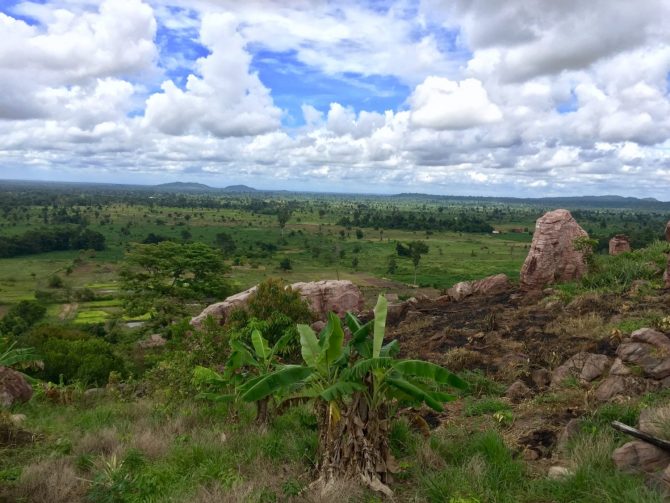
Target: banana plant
(353,386)
(244,366)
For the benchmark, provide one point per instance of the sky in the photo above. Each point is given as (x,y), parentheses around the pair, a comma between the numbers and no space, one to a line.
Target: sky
(524,98)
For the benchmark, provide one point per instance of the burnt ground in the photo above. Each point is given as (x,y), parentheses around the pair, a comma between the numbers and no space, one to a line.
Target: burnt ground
(509,336)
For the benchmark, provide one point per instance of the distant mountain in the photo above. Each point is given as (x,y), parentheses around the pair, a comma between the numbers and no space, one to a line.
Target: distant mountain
(239,188)
(183,187)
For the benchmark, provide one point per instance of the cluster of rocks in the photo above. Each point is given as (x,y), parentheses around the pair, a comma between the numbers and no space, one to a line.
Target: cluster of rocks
(642,363)
(322,296)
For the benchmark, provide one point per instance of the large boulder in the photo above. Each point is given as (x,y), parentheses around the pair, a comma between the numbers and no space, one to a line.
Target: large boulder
(338,296)
(220,310)
(666,274)
(667,231)
(490,285)
(619,244)
(324,296)
(552,256)
(13,387)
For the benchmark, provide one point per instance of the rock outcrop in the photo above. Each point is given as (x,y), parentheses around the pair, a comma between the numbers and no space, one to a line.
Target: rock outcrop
(338,296)
(666,274)
(13,387)
(220,310)
(619,244)
(491,285)
(552,257)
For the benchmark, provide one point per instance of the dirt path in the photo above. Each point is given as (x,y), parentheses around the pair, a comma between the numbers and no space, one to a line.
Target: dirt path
(68,311)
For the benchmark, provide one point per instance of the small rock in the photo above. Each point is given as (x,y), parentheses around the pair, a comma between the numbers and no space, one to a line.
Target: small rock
(654,360)
(585,366)
(153,341)
(317,326)
(612,386)
(558,473)
(653,337)
(570,431)
(541,377)
(95,392)
(530,455)
(640,456)
(17,419)
(223,438)
(518,391)
(619,369)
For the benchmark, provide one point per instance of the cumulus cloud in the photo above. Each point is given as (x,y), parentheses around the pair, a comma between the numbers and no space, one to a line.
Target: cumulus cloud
(509,97)
(225,100)
(439,103)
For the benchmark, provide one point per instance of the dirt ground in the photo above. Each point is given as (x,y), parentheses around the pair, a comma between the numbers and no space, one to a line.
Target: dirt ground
(507,337)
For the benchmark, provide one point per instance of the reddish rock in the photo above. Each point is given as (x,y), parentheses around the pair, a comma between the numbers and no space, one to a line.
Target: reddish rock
(619,244)
(491,285)
(619,369)
(518,391)
(584,366)
(552,257)
(13,387)
(654,359)
(322,297)
(667,231)
(153,341)
(331,295)
(541,378)
(613,386)
(653,337)
(640,456)
(220,310)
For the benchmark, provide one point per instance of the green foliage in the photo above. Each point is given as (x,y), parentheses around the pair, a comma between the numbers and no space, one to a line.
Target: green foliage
(334,371)
(161,278)
(274,309)
(72,355)
(11,356)
(21,317)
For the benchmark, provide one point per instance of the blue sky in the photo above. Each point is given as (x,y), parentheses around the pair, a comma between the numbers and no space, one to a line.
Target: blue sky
(542,98)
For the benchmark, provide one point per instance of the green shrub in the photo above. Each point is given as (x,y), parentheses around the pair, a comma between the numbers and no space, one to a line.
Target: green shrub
(21,317)
(74,355)
(274,309)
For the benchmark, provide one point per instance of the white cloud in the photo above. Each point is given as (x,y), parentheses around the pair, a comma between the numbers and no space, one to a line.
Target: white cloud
(439,103)
(513,97)
(227,99)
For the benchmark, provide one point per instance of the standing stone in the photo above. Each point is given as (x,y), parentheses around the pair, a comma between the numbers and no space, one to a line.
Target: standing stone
(552,256)
(619,244)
